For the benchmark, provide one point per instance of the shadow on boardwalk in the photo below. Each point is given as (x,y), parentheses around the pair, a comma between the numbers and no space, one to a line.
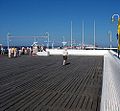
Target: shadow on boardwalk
(43,84)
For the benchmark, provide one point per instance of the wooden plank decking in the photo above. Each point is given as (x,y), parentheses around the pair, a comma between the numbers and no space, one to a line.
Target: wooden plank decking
(43,84)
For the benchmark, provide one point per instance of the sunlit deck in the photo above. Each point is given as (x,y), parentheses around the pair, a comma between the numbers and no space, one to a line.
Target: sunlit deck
(43,84)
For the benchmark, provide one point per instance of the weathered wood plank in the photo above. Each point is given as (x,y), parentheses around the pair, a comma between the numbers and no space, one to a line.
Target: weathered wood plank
(43,84)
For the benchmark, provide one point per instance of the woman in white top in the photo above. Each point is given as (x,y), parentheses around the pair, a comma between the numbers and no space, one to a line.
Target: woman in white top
(65,54)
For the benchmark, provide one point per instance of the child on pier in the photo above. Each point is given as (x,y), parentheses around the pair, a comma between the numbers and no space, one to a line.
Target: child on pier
(65,54)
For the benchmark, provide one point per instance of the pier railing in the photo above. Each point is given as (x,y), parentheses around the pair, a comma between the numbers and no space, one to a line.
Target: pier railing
(111,84)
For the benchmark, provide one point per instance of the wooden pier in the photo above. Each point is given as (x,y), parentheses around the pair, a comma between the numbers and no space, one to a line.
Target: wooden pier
(43,84)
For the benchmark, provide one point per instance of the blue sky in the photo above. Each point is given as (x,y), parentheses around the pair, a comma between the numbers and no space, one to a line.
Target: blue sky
(35,17)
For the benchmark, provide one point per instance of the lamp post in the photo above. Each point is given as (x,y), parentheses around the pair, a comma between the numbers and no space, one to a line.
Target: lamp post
(118,33)
(110,38)
(82,34)
(53,45)
(8,40)
(71,35)
(47,33)
(94,35)
(114,16)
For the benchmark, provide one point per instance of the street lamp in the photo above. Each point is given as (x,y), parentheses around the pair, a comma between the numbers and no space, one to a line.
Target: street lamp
(114,16)
(110,38)
(118,33)
(71,35)
(94,35)
(47,33)
(53,45)
(8,40)
(82,34)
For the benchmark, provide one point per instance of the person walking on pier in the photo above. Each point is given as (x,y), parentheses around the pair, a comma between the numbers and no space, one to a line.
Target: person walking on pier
(65,56)
(9,52)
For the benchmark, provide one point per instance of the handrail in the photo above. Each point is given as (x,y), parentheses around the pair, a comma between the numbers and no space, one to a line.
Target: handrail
(110,100)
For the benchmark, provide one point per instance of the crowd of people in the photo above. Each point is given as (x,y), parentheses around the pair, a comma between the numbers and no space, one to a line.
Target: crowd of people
(14,52)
